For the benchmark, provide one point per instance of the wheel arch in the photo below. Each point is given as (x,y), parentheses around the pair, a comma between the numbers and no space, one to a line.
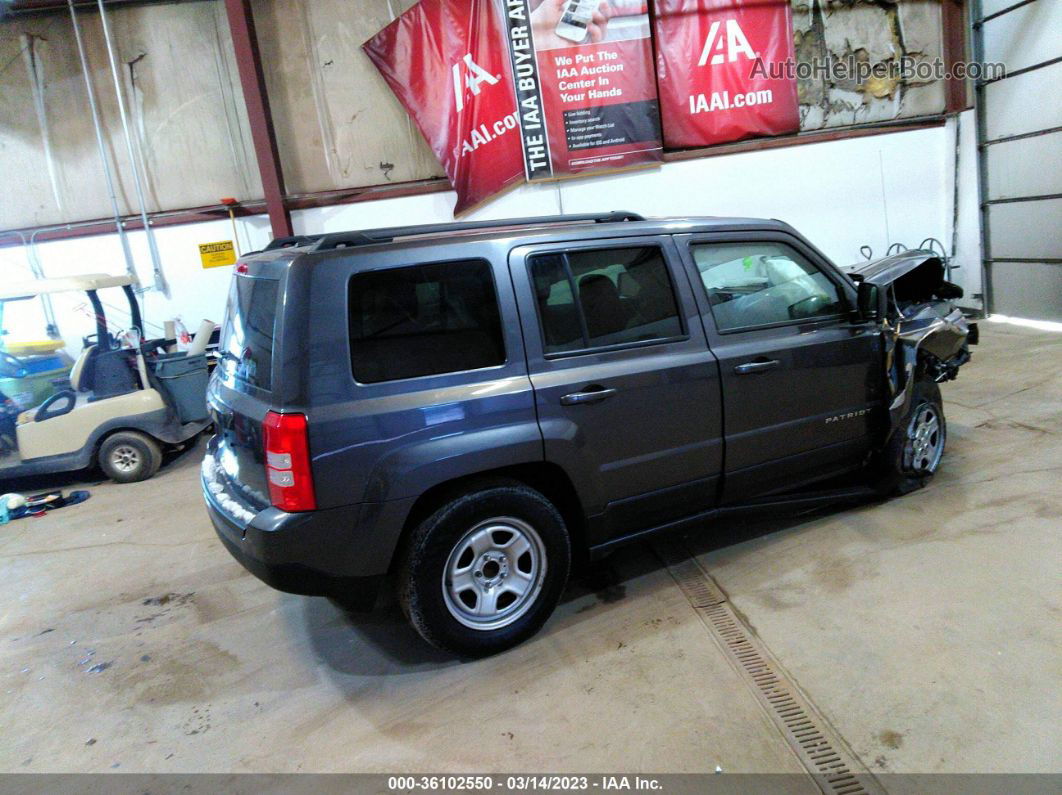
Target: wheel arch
(105,432)
(547,478)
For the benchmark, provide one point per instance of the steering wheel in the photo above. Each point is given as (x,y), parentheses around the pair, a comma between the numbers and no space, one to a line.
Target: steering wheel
(10,367)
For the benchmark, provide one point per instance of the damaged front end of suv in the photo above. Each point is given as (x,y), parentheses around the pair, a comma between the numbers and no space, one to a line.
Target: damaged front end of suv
(925,332)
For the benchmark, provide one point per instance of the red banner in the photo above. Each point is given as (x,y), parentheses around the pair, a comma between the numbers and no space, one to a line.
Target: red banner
(585,87)
(713,65)
(447,63)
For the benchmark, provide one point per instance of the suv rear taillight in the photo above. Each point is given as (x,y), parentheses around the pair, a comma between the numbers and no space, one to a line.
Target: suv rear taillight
(287,450)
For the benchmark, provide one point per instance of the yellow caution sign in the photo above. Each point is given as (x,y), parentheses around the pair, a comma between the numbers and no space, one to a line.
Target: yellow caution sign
(216,255)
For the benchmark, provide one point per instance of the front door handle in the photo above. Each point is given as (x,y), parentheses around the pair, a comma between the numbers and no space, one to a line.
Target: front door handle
(589,396)
(760,366)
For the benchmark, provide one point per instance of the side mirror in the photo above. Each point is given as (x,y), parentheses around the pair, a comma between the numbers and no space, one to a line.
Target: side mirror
(871,301)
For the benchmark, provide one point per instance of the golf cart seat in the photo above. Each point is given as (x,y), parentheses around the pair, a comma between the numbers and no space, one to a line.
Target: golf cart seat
(82,371)
(85,376)
(104,373)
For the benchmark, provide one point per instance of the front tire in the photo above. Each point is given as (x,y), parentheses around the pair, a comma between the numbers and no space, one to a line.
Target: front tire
(485,571)
(129,457)
(914,451)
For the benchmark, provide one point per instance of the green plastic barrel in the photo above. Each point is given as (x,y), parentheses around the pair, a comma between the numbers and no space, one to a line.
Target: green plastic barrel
(33,389)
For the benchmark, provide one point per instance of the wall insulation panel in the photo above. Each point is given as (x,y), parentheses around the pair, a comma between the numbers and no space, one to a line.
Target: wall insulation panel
(185,111)
(337,124)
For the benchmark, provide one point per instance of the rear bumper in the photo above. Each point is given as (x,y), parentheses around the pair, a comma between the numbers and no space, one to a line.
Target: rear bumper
(343,552)
(269,557)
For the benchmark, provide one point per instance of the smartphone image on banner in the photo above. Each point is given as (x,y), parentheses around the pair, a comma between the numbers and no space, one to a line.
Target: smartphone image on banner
(575,22)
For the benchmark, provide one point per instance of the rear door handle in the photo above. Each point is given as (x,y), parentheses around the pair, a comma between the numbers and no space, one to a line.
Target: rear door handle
(589,396)
(750,368)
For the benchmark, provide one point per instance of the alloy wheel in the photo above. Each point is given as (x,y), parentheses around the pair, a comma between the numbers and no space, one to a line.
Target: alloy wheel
(925,440)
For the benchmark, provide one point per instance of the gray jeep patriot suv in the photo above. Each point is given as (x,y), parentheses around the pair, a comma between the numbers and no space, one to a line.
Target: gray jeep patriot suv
(468,407)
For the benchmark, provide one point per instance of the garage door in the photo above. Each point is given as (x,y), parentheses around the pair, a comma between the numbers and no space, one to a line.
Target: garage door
(1020,153)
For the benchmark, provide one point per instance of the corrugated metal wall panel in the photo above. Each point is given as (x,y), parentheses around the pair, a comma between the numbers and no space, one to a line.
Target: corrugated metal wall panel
(1026,230)
(1029,290)
(1025,103)
(1025,167)
(992,6)
(1025,36)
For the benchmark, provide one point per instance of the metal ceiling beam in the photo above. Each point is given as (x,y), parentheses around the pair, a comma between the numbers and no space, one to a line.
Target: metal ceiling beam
(256,99)
(20,7)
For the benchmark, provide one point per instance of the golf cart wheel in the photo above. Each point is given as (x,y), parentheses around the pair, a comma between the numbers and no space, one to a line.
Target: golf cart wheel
(485,570)
(129,456)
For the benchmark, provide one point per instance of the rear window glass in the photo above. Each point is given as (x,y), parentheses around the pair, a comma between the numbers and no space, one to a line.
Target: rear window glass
(424,320)
(248,331)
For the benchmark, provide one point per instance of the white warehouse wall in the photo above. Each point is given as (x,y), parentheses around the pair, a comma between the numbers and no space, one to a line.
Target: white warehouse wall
(842,194)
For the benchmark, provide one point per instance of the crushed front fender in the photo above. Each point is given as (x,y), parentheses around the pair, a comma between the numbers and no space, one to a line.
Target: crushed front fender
(924,333)
(933,338)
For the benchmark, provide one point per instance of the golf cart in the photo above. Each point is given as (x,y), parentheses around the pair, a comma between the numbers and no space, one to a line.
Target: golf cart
(122,405)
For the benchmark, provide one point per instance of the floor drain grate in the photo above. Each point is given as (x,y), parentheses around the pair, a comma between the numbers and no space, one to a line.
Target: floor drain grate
(822,752)
(699,589)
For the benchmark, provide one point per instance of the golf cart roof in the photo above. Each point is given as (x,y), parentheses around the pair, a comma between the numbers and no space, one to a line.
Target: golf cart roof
(89,281)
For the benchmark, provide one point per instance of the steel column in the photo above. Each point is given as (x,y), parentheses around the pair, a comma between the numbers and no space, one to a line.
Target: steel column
(953,22)
(256,99)
(980,114)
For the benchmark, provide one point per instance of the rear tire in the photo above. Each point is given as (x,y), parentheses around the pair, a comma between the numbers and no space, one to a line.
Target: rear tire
(129,456)
(914,451)
(485,571)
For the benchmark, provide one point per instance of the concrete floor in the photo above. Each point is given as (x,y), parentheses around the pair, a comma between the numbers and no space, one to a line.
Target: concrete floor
(926,629)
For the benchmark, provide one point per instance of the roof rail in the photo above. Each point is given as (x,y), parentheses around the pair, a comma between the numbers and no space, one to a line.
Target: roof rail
(372,236)
(291,242)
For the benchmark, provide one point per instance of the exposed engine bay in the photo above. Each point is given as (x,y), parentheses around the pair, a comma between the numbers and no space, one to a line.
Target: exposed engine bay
(924,330)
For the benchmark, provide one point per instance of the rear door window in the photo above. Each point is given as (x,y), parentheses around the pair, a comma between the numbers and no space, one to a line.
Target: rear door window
(248,332)
(604,297)
(424,320)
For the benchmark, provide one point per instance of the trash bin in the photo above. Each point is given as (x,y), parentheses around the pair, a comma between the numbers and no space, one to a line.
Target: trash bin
(36,385)
(184,380)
